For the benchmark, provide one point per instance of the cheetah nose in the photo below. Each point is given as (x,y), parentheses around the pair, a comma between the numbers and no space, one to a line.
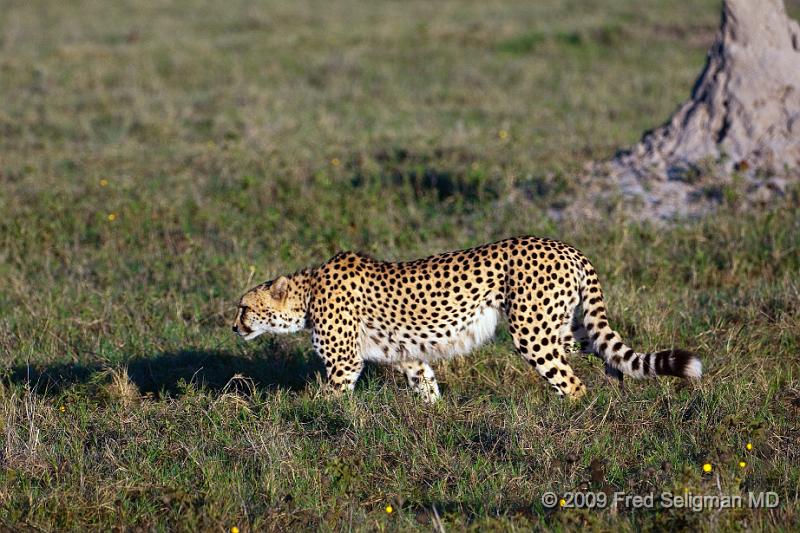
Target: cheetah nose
(235,328)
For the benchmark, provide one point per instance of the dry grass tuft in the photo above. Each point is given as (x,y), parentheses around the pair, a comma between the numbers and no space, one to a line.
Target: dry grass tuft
(116,387)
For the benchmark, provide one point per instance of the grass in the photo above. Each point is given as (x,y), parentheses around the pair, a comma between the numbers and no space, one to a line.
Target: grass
(235,142)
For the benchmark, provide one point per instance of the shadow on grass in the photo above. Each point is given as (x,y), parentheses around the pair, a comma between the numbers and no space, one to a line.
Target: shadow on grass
(166,373)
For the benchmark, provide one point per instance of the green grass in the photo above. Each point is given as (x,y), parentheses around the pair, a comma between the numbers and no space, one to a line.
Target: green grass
(233,142)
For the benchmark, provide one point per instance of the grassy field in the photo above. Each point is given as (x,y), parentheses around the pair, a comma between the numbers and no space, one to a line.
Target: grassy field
(158,158)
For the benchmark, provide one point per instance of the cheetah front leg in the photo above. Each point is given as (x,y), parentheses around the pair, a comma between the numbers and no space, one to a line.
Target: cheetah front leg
(421,379)
(343,374)
(336,341)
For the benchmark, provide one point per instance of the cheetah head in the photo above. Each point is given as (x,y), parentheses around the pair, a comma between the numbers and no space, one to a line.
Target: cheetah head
(276,306)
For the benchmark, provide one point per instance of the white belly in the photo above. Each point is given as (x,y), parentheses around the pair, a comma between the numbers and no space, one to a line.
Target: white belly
(394,346)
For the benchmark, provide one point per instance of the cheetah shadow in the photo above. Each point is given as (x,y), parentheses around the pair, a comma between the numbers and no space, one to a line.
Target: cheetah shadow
(168,373)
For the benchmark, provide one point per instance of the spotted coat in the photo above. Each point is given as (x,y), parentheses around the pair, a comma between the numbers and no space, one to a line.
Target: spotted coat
(411,314)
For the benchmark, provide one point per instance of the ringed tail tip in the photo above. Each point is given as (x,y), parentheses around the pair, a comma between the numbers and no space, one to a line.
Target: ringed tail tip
(679,363)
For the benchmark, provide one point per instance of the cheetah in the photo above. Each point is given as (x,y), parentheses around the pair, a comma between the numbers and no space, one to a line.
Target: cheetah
(411,314)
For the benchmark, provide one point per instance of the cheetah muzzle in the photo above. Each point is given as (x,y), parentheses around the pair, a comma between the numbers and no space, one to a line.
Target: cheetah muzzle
(410,314)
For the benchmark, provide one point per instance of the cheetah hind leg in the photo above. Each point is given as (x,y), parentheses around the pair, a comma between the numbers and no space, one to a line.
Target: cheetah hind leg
(421,379)
(613,374)
(575,338)
(581,337)
(548,358)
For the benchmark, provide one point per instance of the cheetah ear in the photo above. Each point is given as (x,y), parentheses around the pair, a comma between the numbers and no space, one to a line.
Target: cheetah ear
(279,288)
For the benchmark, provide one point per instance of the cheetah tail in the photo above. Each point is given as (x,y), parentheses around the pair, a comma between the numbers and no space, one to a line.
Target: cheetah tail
(609,345)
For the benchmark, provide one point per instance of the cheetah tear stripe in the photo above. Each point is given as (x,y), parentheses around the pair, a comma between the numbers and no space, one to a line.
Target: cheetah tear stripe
(409,314)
